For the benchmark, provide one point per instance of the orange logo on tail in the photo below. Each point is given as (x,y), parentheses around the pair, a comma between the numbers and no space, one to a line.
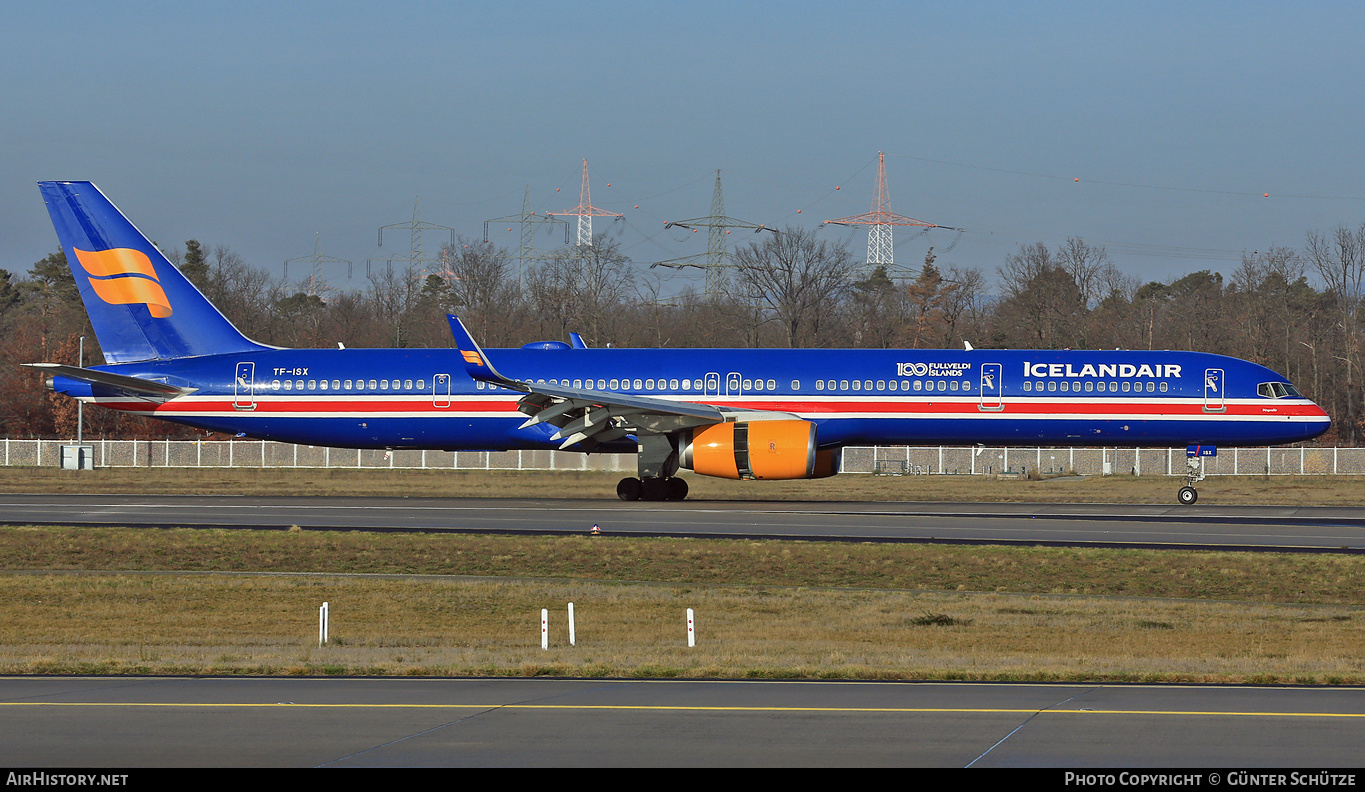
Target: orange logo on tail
(472,357)
(123,276)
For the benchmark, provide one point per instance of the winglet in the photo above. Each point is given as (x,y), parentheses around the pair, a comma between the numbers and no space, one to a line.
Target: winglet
(476,363)
(576,341)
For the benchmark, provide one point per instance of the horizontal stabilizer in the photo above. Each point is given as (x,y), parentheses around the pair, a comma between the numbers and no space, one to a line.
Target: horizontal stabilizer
(122,382)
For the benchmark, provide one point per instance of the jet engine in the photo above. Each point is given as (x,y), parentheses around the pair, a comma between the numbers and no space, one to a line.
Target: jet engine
(767,449)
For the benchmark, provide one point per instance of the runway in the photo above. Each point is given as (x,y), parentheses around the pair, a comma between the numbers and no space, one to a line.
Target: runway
(254,722)
(1280,528)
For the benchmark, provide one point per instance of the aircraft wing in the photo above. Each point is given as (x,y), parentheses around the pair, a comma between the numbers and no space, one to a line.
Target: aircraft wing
(135,386)
(582,414)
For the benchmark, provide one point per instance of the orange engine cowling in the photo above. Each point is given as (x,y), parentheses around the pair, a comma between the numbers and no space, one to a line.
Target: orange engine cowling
(777,449)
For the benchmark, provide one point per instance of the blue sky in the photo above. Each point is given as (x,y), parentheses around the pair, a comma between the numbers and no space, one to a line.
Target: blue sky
(259,125)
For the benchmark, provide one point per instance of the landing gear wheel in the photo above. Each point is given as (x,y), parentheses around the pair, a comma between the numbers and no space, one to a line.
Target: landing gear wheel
(1187,495)
(629,489)
(653,489)
(677,489)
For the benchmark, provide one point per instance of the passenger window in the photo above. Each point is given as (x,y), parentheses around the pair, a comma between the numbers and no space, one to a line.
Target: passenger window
(1164,387)
(1126,386)
(796,385)
(407,384)
(772,385)
(421,385)
(881,384)
(919,384)
(843,385)
(288,384)
(1052,385)
(942,386)
(1151,387)
(953,385)
(1028,386)
(819,385)
(639,385)
(857,385)
(374,384)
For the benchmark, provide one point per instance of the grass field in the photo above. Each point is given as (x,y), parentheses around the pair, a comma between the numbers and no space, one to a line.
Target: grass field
(211,601)
(130,601)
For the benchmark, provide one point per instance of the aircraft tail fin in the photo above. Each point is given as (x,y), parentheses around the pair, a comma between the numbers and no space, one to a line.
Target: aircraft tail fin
(140,306)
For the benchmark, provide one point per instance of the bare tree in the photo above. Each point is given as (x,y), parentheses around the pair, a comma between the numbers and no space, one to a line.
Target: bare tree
(1340,261)
(1043,305)
(799,279)
(583,288)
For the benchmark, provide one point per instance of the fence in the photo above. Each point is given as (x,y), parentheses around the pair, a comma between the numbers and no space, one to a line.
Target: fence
(897,460)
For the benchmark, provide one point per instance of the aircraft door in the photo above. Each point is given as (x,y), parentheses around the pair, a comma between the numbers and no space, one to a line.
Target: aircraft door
(440,393)
(991,387)
(732,384)
(244,387)
(1215,387)
(712,383)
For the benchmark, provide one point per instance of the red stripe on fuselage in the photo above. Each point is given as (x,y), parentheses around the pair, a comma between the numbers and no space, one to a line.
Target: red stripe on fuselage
(829,407)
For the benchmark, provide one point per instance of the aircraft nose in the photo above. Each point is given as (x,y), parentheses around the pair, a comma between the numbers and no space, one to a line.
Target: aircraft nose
(1318,421)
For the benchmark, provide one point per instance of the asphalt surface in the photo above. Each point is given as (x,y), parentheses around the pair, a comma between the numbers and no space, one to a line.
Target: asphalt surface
(234,722)
(1295,528)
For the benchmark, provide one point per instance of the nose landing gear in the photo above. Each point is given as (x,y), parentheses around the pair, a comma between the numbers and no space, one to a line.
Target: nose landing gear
(1194,474)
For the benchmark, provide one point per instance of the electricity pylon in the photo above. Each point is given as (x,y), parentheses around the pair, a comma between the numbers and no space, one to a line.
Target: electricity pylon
(528,220)
(881,220)
(717,255)
(585,212)
(415,256)
(318,259)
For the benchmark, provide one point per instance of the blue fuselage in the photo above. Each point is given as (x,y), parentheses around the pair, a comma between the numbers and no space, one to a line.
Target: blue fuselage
(406,398)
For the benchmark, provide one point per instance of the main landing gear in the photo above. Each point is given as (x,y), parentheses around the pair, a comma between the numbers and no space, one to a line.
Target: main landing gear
(656,461)
(1193,475)
(651,488)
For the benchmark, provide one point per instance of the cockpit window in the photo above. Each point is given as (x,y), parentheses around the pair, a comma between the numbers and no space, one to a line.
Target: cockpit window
(1278,390)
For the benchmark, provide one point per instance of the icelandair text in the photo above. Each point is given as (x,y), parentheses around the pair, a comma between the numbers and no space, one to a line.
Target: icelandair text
(1119,370)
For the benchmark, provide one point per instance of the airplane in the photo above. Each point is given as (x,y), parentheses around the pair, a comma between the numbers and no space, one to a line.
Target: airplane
(759,414)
